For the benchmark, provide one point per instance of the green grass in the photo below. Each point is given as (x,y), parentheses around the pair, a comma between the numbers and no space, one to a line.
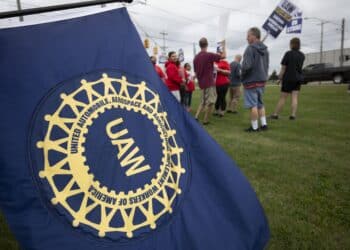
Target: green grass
(299,169)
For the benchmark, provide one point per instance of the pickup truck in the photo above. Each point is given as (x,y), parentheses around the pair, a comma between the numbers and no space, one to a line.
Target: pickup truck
(326,72)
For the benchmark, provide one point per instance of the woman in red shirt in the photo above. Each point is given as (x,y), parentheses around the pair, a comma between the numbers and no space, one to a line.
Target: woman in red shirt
(174,80)
(222,83)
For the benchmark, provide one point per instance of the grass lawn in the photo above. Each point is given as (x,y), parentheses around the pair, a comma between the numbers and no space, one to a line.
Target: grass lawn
(299,169)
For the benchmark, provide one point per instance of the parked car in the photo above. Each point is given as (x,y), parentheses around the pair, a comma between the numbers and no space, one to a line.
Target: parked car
(326,72)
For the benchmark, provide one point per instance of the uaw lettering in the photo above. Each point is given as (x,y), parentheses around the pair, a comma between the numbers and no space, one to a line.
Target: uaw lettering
(124,146)
(133,209)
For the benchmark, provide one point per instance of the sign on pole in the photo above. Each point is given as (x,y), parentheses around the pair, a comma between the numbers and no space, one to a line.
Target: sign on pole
(221,31)
(162,58)
(295,25)
(181,55)
(279,18)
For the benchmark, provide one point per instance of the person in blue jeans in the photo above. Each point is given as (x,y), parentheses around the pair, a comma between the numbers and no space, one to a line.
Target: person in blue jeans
(254,76)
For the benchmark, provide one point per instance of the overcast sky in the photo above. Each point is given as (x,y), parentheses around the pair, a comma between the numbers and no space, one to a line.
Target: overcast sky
(186,21)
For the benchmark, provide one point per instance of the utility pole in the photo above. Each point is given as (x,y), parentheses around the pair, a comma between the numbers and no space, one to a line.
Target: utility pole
(164,47)
(342,42)
(19,7)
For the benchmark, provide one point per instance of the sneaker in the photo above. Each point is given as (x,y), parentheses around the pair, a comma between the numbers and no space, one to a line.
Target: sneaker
(206,123)
(292,117)
(264,128)
(235,112)
(250,129)
(273,117)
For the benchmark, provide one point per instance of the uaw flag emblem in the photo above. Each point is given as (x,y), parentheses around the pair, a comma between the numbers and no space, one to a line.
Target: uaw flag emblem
(106,156)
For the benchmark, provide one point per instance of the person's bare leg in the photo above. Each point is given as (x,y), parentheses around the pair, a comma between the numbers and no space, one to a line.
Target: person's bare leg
(200,107)
(262,116)
(199,111)
(281,103)
(235,101)
(254,118)
(208,110)
(261,112)
(295,95)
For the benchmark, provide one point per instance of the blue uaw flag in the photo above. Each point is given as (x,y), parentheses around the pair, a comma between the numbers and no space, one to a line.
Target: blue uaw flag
(95,153)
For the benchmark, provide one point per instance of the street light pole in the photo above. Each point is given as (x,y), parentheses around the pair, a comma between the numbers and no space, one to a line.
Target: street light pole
(321,45)
(322,23)
(342,42)
(164,47)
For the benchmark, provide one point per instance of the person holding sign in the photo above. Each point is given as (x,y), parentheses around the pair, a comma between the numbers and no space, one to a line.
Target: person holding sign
(204,69)
(254,76)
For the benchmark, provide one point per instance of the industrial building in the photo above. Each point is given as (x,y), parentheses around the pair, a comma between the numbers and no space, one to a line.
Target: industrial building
(329,56)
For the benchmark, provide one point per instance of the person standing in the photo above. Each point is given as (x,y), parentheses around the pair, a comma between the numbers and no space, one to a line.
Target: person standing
(222,82)
(190,87)
(174,79)
(235,84)
(204,69)
(254,76)
(182,86)
(291,77)
(157,68)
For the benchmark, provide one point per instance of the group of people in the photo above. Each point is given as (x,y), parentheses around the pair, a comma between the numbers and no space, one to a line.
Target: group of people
(216,77)
(180,80)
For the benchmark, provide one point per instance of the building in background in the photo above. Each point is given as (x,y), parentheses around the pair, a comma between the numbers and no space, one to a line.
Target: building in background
(329,56)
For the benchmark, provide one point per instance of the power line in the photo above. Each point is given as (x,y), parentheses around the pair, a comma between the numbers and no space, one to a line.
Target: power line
(154,16)
(190,20)
(233,9)
(145,32)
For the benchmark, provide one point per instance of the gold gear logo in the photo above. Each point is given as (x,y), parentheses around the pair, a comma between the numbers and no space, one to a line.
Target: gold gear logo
(110,203)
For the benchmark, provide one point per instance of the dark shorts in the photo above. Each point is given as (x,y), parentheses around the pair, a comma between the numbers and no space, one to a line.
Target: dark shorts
(290,87)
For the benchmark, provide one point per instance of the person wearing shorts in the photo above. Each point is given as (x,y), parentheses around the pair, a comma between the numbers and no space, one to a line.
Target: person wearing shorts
(254,97)
(291,77)
(254,76)
(204,68)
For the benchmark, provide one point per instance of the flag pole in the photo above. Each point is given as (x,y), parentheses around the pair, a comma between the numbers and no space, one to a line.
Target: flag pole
(19,7)
(33,11)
